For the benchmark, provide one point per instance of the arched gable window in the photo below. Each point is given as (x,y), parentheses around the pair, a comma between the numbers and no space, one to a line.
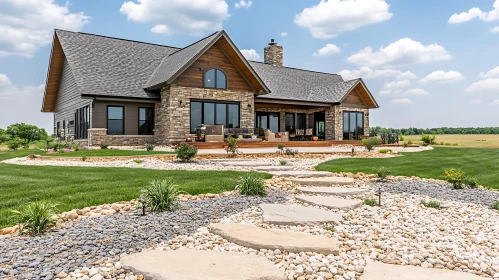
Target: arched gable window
(215,78)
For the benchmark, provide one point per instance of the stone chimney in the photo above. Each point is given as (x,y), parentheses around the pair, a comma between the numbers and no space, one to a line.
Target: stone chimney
(273,54)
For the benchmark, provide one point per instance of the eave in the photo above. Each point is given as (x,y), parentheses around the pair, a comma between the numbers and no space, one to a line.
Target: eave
(54,74)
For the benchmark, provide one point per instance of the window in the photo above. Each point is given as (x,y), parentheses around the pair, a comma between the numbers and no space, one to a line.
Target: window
(215,78)
(146,121)
(267,121)
(301,121)
(310,121)
(214,112)
(82,122)
(353,125)
(115,120)
(58,129)
(290,122)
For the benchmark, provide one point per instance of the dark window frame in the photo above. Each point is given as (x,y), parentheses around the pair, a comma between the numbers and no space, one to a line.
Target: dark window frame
(290,128)
(355,134)
(82,122)
(57,129)
(259,114)
(203,101)
(215,81)
(123,119)
(152,121)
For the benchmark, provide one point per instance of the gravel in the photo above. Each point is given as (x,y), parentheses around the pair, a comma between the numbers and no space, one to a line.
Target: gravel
(87,241)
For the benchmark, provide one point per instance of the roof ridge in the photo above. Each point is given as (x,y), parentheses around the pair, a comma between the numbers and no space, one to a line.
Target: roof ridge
(116,38)
(194,43)
(293,68)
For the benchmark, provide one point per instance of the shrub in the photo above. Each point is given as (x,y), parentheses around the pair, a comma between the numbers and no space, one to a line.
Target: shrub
(431,204)
(385,151)
(455,177)
(149,147)
(291,152)
(36,217)
(281,146)
(406,145)
(283,162)
(495,205)
(104,146)
(138,161)
(401,137)
(370,202)
(410,142)
(186,152)
(232,147)
(161,195)
(83,158)
(15,143)
(251,184)
(76,146)
(329,228)
(455,144)
(470,181)
(428,139)
(371,142)
(383,172)
(447,144)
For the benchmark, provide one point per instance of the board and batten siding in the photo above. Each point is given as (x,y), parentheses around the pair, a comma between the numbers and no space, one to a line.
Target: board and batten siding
(99,115)
(68,101)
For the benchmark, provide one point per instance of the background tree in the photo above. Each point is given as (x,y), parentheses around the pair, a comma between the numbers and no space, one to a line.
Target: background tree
(28,132)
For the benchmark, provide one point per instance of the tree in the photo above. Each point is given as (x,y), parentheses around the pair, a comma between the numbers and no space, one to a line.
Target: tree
(26,131)
(4,137)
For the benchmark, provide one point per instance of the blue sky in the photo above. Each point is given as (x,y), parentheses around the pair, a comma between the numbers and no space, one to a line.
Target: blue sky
(429,63)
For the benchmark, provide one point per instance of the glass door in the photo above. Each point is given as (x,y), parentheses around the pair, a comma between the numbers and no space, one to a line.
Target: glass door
(320,125)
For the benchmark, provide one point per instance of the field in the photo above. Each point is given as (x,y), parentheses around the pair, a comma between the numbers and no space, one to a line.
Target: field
(464,140)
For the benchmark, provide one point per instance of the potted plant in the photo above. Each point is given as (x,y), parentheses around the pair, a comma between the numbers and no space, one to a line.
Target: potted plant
(315,138)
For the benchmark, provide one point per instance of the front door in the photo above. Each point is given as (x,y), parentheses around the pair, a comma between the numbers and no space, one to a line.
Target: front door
(320,125)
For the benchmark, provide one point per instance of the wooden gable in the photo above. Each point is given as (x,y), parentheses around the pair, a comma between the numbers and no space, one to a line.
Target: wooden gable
(359,95)
(53,76)
(353,98)
(214,57)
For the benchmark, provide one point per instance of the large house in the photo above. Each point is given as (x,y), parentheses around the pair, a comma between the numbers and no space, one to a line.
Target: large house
(123,92)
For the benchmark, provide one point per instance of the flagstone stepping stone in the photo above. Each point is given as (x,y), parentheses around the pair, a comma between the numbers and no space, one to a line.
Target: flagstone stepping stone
(333,190)
(301,174)
(293,215)
(381,271)
(274,168)
(245,163)
(197,264)
(330,202)
(259,238)
(324,181)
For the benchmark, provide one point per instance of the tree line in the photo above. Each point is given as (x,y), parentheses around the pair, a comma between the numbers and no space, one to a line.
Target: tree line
(440,130)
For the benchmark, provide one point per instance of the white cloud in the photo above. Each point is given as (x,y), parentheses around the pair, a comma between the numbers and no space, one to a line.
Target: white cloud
(284,34)
(490,74)
(403,52)
(490,84)
(476,101)
(27,25)
(385,92)
(178,16)
(369,73)
(401,101)
(495,29)
(476,13)
(328,49)
(442,77)
(398,84)
(417,92)
(250,54)
(495,102)
(330,18)
(4,80)
(243,4)
(10,91)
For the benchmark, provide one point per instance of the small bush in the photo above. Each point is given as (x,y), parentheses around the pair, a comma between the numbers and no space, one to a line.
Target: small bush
(385,151)
(149,147)
(401,137)
(283,162)
(383,172)
(431,204)
(455,177)
(330,228)
(251,184)
(36,217)
(447,144)
(281,146)
(104,146)
(371,142)
(83,158)
(16,143)
(161,195)
(470,181)
(186,152)
(232,147)
(428,139)
(406,145)
(291,152)
(455,144)
(138,161)
(495,205)
(370,202)
(76,146)
(410,142)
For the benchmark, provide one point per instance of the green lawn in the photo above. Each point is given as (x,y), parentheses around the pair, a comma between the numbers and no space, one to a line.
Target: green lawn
(78,187)
(480,163)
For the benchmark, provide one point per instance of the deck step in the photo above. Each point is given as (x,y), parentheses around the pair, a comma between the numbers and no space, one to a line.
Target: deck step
(324,181)
(330,202)
(333,190)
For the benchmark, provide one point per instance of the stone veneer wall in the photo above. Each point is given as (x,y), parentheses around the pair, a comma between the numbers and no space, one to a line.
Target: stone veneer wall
(172,118)
(273,55)
(98,136)
(338,112)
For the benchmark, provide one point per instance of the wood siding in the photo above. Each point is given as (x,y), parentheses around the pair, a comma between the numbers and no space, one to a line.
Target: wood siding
(353,98)
(99,115)
(68,100)
(214,57)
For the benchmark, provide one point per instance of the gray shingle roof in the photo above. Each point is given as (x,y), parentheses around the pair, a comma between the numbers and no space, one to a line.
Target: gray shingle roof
(296,84)
(110,66)
(175,61)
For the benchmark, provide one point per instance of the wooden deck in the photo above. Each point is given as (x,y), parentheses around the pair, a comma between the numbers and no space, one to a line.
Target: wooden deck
(265,144)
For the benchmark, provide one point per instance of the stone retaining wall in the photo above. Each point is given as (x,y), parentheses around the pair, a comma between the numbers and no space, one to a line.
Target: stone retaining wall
(98,136)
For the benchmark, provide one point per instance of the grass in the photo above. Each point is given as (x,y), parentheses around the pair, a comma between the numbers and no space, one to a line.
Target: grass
(476,162)
(463,140)
(79,187)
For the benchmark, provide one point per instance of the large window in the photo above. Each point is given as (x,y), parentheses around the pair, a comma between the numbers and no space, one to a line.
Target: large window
(215,78)
(115,120)
(214,112)
(301,121)
(82,122)
(290,122)
(146,120)
(353,125)
(267,121)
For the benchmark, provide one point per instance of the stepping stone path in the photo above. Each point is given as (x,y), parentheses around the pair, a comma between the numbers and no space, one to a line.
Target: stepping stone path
(274,168)
(301,174)
(198,264)
(324,181)
(260,238)
(381,271)
(330,202)
(333,190)
(245,163)
(293,215)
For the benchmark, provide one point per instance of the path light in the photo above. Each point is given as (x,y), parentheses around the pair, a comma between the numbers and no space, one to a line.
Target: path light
(353,151)
(379,191)
(142,203)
